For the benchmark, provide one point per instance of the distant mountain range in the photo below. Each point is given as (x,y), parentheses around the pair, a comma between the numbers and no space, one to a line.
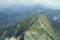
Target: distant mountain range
(10,16)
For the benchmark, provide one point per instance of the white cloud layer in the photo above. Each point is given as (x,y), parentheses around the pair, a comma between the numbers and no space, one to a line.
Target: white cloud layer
(7,3)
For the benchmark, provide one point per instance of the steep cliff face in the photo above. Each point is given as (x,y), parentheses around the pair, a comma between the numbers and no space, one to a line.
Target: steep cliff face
(36,28)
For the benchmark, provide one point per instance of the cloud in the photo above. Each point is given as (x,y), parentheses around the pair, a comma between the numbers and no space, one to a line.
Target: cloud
(8,3)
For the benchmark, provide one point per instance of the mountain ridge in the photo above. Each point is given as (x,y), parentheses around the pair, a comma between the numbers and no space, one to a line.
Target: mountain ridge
(31,29)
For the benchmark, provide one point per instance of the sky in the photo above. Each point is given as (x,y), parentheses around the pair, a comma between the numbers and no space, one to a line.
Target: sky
(8,3)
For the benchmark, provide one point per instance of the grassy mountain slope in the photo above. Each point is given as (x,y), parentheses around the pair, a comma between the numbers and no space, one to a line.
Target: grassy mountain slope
(36,28)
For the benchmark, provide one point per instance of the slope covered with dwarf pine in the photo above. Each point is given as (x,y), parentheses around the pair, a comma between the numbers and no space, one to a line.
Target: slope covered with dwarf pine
(36,28)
